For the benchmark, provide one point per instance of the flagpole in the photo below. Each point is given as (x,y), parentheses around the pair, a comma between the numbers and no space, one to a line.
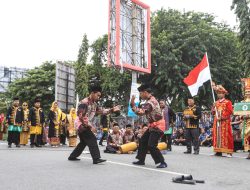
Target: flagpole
(210,79)
(216,112)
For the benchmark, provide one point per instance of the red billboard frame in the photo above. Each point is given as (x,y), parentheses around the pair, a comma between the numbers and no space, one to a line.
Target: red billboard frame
(117,31)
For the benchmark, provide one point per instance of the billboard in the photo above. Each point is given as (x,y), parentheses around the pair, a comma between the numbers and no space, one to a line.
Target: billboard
(65,86)
(129,35)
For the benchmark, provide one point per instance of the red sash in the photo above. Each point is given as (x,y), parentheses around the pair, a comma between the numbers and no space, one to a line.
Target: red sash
(159,124)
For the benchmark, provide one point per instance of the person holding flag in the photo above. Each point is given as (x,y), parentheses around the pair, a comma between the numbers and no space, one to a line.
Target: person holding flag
(222,129)
(222,109)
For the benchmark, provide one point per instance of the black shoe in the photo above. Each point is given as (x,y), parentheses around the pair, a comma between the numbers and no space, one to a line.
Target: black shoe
(99,160)
(162,165)
(218,154)
(101,144)
(32,146)
(73,159)
(18,146)
(140,163)
(38,145)
(181,179)
(190,177)
(9,146)
(196,152)
(187,152)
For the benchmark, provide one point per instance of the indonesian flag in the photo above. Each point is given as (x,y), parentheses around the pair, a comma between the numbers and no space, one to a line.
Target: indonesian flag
(199,75)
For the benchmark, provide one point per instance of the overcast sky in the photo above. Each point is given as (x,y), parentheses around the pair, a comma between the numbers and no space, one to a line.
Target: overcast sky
(34,31)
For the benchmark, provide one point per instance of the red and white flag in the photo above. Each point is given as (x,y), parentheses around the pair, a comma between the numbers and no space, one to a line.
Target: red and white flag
(197,76)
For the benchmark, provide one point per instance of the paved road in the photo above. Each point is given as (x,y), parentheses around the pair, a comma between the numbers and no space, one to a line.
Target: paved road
(48,168)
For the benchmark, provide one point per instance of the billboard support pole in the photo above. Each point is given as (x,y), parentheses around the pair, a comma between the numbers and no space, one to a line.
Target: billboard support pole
(67,92)
(56,81)
(134,80)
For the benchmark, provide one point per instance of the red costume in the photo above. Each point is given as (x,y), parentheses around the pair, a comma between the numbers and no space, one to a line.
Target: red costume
(222,130)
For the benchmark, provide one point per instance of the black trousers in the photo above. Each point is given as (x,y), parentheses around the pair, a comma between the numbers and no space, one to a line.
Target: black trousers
(192,136)
(238,146)
(63,139)
(104,136)
(13,137)
(149,141)
(35,139)
(167,139)
(87,138)
(207,143)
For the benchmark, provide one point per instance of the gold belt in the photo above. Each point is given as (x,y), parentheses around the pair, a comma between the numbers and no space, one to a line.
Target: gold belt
(191,126)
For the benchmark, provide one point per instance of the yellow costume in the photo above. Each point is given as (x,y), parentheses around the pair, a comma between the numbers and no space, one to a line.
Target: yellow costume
(24,135)
(72,131)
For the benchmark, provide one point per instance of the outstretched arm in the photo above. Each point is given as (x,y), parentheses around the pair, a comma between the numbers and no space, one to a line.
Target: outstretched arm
(140,111)
(100,111)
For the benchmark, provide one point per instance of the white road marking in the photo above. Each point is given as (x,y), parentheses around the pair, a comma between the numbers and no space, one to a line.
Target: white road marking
(141,167)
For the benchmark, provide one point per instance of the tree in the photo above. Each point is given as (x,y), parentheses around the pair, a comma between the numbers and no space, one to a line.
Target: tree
(38,82)
(242,11)
(114,84)
(3,103)
(99,57)
(100,50)
(179,41)
(81,69)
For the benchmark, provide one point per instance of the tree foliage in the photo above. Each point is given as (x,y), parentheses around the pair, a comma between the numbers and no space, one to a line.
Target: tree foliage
(81,68)
(100,50)
(179,41)
(115,85)
(242,11)
(3,103)
(38,82)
